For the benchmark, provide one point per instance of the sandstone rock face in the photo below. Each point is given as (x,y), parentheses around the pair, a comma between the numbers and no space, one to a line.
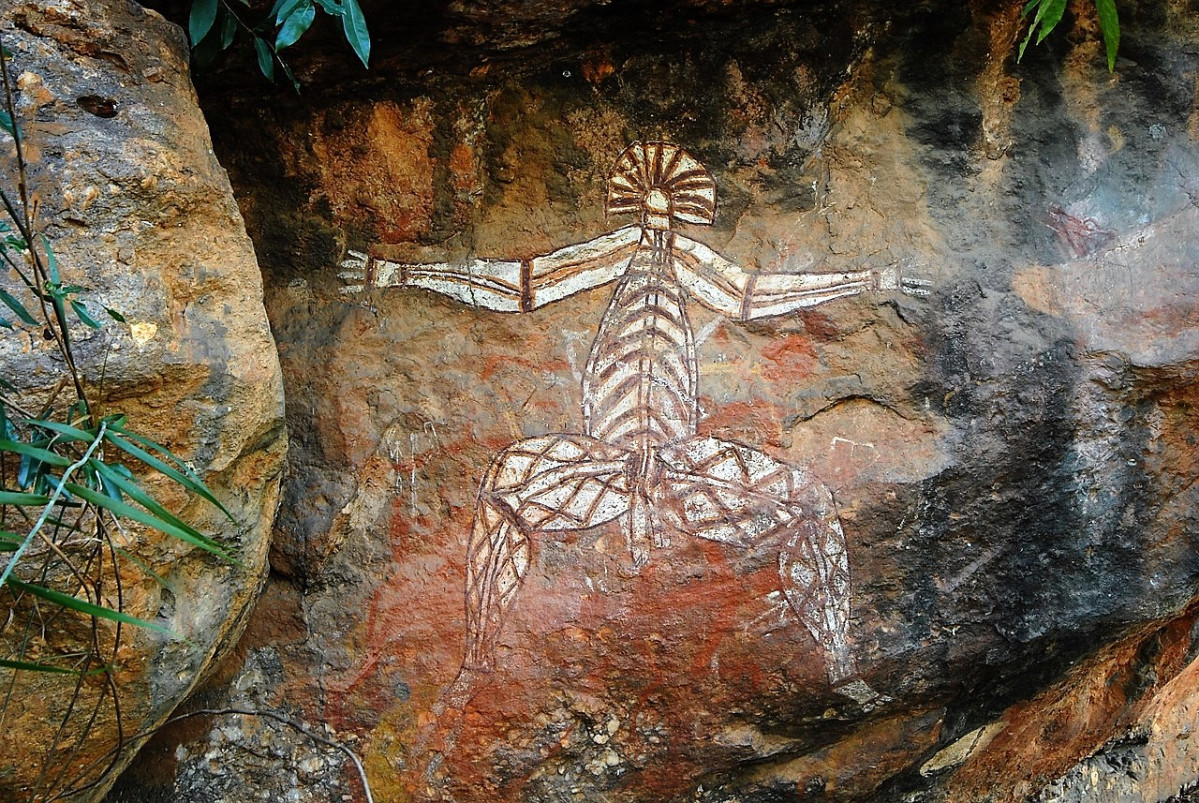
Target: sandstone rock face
(140,213)
(1011,457)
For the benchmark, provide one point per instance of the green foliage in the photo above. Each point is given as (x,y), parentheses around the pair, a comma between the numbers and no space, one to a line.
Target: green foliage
(69,482)
(1046,14)
(216,25)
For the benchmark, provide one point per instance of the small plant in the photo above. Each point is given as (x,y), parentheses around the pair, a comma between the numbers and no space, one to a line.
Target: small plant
(1048,13)
(68,496)
(214,26)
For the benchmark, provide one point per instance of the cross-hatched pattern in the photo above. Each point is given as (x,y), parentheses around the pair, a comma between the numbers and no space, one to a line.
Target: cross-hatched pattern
(559,482)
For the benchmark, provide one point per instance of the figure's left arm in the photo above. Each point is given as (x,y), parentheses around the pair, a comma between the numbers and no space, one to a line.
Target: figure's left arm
(744,295)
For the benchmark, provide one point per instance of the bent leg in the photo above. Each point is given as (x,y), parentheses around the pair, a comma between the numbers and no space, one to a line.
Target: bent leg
(561,483)
(728,492)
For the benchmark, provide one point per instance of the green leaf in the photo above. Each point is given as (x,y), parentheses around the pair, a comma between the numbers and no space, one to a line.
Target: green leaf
(116,316)
(266,60)
(5,323)
(6,122)
(81,312)
(23,499)
(290,75)
(354,25)
(66,432)
(17,307)
(84,607)
(199,22)
(295,26)
(51,261)
(24,666)
(1109,24)
(333,8)
(228,30)
(125,511)
(1054,9)
(34,452)
(139,495)
(182,475)
(285,8)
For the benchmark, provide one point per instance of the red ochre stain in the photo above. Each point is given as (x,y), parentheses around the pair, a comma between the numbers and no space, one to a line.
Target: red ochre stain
(792,357)
(506,362)
(750,421)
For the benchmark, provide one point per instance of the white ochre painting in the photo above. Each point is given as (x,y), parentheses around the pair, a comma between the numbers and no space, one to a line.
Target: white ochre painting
(639,457)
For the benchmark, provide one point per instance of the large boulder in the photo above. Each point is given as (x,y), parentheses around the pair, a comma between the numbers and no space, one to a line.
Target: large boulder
(139,212)
(1011,456)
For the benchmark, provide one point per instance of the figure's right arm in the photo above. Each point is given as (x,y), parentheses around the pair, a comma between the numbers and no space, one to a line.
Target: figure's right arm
(504,286)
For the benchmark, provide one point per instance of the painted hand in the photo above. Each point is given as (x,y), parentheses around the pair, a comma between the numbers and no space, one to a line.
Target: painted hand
(362,270)
(892,278)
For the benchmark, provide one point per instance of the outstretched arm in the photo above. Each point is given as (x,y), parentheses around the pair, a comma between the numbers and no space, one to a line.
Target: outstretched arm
(727,288)
(505,286)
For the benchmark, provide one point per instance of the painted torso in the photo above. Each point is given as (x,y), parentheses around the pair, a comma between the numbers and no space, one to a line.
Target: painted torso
(640,384)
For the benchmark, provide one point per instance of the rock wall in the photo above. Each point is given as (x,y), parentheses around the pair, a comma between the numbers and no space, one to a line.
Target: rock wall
(141,214)
(1011,457)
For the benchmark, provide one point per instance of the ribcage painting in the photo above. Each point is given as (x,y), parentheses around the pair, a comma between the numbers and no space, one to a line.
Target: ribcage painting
(640,456)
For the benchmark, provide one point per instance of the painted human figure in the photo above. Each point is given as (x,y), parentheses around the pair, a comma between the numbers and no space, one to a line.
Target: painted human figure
(640,458)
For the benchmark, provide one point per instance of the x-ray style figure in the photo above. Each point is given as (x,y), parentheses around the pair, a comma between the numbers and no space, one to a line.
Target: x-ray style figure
(640,457)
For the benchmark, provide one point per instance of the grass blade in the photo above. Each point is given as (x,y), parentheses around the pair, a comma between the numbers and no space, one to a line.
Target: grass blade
(139,495)
(67,433)
(182,474)
(25,666)
(1109,24)
(34,452)
(23,499)
(85,607)
(127,511)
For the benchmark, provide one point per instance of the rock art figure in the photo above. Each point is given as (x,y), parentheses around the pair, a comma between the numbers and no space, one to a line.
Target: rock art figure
(640,457)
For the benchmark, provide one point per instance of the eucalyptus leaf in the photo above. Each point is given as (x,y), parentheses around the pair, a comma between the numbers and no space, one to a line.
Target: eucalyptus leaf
(354,25)
(200,20)
(51,261)
(286,8)
(266,59)
(295,25)
(228,33)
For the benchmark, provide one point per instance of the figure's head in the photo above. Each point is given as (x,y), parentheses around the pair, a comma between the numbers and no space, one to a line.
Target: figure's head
(663,184)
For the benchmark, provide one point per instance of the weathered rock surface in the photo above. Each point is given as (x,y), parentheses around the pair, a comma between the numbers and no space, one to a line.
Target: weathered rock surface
(1012,457)
(140,213)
